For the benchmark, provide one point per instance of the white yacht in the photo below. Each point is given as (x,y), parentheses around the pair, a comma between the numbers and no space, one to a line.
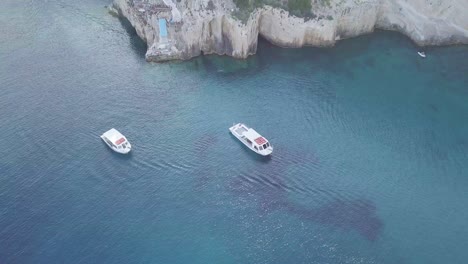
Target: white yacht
(422,54)
(116,141)
(251,139)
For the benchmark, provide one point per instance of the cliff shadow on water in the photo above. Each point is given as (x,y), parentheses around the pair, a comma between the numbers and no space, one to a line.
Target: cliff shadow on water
(267,55)
(137,44)
(362,51)
(226,66)
(300,60)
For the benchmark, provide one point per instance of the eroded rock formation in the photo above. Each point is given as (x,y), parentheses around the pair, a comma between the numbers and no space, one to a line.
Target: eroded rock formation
(212,26)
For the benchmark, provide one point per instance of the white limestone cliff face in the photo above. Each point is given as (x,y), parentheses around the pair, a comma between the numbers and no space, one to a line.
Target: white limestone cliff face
(210,26)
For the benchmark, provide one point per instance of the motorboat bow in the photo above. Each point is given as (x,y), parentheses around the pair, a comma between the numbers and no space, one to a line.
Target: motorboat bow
(116,141)
(251,139)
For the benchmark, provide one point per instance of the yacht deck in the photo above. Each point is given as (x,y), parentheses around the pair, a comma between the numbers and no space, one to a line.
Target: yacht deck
(241,130)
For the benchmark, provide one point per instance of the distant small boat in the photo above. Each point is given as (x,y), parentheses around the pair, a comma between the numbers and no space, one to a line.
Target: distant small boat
(422,54)
(251,139)
(116,141)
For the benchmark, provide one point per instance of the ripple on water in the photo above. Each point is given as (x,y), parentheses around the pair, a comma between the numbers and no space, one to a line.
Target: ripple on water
(358,215)
(272,188)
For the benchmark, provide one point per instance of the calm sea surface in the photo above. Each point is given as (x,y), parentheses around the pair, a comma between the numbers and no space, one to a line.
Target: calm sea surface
(370,162)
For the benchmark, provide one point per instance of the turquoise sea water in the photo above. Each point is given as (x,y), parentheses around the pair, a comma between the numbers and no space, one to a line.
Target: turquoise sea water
(370,162)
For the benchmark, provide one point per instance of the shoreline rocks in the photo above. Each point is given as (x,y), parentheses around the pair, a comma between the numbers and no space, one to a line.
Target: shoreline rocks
(211,26)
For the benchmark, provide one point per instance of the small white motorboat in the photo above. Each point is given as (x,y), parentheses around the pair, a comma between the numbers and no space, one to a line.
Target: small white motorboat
(422,54)
(251,139)
(116,141)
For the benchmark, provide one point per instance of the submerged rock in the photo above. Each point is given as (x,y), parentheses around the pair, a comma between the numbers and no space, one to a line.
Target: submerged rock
(197,27)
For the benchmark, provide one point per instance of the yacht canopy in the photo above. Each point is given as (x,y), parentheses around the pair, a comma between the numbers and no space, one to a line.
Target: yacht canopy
(253,136)
(120,141)
(260,140)
(114,136)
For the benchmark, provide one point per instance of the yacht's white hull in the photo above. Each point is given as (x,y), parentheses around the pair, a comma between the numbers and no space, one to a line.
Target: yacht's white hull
(121,151)
(250,146)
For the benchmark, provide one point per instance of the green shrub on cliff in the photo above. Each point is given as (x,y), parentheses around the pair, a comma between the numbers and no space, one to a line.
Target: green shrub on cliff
(300,8)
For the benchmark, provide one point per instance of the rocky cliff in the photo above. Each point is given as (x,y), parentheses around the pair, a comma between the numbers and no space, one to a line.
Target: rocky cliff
(197,27)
